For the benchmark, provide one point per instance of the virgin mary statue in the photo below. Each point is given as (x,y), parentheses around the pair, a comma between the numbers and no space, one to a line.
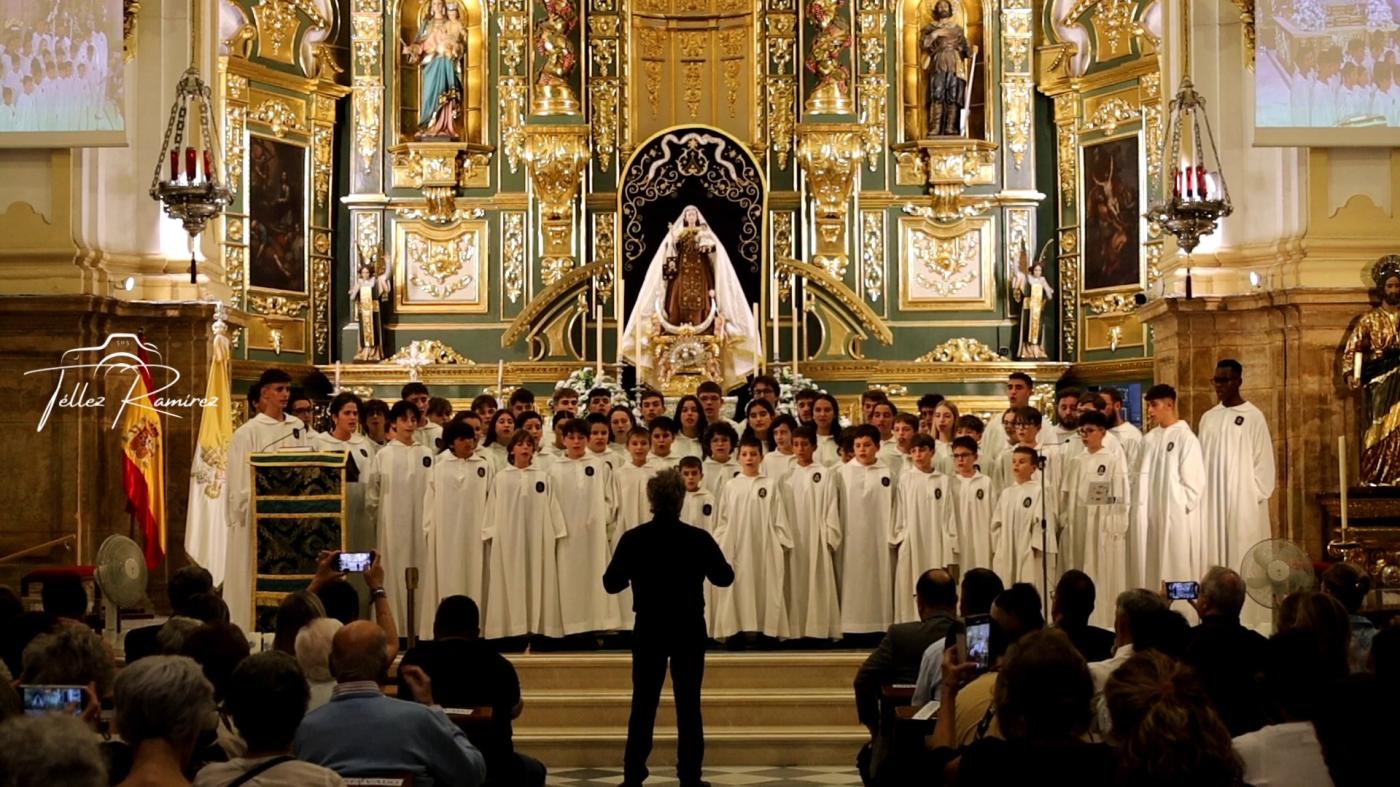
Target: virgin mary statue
(691,286)
(438,51)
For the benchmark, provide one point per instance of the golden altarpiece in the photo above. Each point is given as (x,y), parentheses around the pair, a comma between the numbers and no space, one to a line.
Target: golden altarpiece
(425,188)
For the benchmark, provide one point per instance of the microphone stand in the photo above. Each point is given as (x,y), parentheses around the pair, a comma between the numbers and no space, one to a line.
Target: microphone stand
(1044,541)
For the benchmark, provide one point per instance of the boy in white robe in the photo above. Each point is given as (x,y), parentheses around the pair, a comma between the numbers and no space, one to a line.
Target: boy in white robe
(397,483)
(892,453)
(633,508)
(753,535)
(427,434)
(1094,506)
(588,497)
(600,441)
(663,437)
(1020,546)
(778,462)
(719,465)
(867,513)
(973,503)
(1238,453)
(925,530)
(454,511)
(698,510)
(523,526)
(272,429)
(1166,539)
(812,512)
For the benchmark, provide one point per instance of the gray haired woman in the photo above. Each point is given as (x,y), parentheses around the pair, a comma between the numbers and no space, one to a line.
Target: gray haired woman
(163,704)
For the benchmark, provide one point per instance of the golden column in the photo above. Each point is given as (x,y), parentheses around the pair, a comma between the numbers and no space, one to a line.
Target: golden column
(556,157)
(830,154)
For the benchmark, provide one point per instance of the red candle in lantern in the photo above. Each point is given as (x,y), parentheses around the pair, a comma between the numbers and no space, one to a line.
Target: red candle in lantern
(175,164)
(190,159)
(209,165)
(1201,192)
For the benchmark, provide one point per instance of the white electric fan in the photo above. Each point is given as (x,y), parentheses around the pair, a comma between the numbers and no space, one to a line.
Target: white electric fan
(1274,568)
(121,575)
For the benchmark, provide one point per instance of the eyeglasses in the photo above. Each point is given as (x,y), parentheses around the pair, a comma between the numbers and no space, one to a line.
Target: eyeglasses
(302,409)
(957,455)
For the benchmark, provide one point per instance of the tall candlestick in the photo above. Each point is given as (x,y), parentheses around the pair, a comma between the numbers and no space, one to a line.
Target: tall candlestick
(500,379)
(1342,478)
(598,320)
(794,327)
(773,315)
(337,376)
(758,343)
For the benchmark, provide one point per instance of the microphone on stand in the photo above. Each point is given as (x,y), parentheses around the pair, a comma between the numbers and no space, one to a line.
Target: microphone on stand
(296,432)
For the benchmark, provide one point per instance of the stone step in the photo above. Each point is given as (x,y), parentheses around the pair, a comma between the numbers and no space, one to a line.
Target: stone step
(830,670)
(722,708)
(600,747)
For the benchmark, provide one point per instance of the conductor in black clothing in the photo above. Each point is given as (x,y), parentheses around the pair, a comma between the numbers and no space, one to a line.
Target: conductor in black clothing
(667,562)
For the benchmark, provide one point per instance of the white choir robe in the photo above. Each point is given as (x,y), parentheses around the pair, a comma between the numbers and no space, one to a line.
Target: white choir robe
(687,446)
(714,475)
(1018,545)
(925,535)
(259,433)
(1129,439)
(633,508)
(776,464)
(809,497)
(609,457)
(994,439)
(429,435)
(1066,441)
(523,526)
(496,455)
(973,503)
(1238,453)
(359,531)
(894,458)
(670,461)
(1095,537)
(827,453)
(752,532)
(542,460)
(1165,542)
(866,494)
(454,513)
(397,482)
(943,460)
(588,499)
(699,510)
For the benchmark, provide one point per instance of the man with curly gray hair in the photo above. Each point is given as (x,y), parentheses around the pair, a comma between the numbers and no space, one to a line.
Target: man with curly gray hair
(47,750)
(163,704)
(72,655)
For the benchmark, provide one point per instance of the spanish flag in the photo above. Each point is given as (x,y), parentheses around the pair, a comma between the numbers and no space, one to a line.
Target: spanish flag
(143,463)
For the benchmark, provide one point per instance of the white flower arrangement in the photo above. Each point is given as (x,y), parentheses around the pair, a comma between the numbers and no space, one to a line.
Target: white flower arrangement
(1379,15)
(1309,14)
(586,379)
(788,386)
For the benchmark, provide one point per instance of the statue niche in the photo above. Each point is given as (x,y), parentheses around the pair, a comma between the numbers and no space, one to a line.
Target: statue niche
(943,69)
(441,71)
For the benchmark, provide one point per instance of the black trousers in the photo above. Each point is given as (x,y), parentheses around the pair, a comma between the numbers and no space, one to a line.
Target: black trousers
(651,653)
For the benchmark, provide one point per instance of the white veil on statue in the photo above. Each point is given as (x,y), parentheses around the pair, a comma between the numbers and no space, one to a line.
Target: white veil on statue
(741,333)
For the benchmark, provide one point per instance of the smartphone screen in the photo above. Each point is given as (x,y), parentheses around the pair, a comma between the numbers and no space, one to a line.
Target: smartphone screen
(39,700)
(979,641)
(1179,591)
(354,561)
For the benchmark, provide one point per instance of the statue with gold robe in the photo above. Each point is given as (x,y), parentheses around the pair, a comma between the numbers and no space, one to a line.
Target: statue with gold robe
(1371,360)
(1030,289)
(365,296)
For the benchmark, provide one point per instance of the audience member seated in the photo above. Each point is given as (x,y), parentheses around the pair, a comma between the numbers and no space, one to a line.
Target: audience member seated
(468,673)
(208,608)
(72,655)
(218,648)
(170,638)
(296,610)
(1134,613)
(1043,696)
(47,751)
(1349,585)
(267,697)
(1070,608)
(163,704)
(1356,727)
(314,655)
(361,732)
(980,587)
(1167,733)
(64,597)
(1225,655)
(1296,679)
(1324,615)
(897,658)
(341,600)
(1015,613)
(185,583)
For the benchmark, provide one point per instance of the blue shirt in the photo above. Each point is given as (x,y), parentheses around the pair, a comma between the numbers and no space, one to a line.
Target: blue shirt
(361,732)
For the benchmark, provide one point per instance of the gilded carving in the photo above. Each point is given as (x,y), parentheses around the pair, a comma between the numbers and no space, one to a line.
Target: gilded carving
(873,85)
(512,91)
(782,116)
(130,8)
(943,267)
(235,259)
(693,85)
(513,248)
(554,47)
(279,116)
(1016,93)
(234,133)
(604,88)
(1065,142)
(1152,137)
(367,237)
(783,245)
(830,155)
(872,254)
(1069,308)
(780,82)
(321,315)
(441,270)
(512,19)
(321,139)
(556,158)
(277,26)
(429,352)
(603,95)
(1018,235)
(1110,114)
(276,305)
(827,58)
(604,250)
(368,107)
(960,350)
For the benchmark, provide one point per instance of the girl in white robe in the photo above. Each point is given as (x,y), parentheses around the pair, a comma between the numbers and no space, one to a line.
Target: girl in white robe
(1095,535)
(973,503)
(753,535)
(866,494)
(1019,547)
(925,533)
(498,435)
(397,483)
(523,526)
(584,485)
(778,462)
(826,419)
(690,428)
(345,436)
(812,511)
(454,511)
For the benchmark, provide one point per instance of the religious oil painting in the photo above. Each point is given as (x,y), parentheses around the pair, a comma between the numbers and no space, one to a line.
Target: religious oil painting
(277,215)
(1112,216)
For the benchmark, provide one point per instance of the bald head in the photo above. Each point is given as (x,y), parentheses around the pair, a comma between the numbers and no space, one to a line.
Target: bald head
(936,591)
(359,651)
(1222,593)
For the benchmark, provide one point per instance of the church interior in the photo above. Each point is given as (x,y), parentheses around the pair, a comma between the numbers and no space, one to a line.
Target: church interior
(487,196)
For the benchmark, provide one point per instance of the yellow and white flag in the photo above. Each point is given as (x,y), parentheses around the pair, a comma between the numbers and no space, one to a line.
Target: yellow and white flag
(206,529)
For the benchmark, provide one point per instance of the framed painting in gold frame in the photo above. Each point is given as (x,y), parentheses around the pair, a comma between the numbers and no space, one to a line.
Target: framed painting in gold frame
(441,269)
(278,174)
(947,267)
(1110,197)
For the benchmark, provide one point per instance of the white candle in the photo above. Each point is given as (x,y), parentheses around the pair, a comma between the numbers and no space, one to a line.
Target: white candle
(773,315)
(758,343)
(1356,361)
(598,332)
(337,376)
(1342,478)
(500,378)
(794,327)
